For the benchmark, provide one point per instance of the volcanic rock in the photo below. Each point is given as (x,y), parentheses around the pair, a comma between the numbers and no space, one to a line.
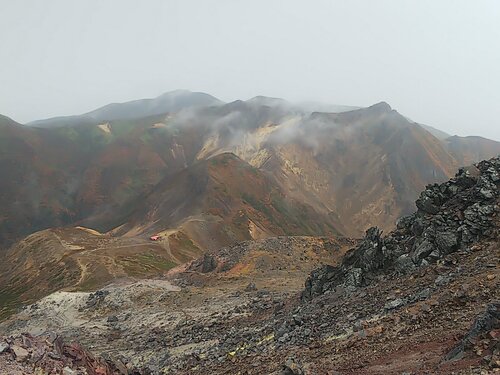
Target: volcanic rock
(424,237)
(485,322)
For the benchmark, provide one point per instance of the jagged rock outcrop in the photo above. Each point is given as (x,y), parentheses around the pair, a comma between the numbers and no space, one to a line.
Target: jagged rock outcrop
(450,216)
(49,354)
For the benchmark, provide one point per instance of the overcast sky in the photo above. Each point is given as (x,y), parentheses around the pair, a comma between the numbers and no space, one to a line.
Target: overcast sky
(437,62)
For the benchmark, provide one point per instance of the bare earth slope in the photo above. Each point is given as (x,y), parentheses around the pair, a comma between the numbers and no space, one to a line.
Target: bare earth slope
(220,201)
(367,165)
(468,150)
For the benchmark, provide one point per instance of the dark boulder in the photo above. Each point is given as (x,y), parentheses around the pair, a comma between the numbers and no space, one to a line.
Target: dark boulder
(429,200)
(209,263)
(424,248)
(320,280)
(446,242)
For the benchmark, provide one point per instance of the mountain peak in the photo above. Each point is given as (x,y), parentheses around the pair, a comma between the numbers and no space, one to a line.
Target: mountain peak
(268,101)
(381,106)
(184,93)
(178,92)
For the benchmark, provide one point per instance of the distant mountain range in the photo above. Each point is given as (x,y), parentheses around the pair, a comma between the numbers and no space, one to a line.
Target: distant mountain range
(217,173)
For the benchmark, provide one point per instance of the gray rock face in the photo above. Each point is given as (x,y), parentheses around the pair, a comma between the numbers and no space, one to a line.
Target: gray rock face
(484,323)
(3,347)
(422,250)
(209,264)
(404,263)
(450,216)
(446,242)
(320,280)
(429,202)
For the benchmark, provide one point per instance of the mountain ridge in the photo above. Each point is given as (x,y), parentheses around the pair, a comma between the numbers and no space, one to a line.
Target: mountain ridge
(362,167)
(162,104)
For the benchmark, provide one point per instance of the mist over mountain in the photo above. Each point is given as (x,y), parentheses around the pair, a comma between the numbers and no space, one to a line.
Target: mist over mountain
(361,167)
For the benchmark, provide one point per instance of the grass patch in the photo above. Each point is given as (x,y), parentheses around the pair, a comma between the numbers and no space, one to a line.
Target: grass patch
(10,302)
(145,264)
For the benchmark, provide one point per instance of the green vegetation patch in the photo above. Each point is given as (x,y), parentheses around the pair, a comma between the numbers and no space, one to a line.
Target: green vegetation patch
(8,304)
(258,205)
(145,264)
(10,301)
(186,243)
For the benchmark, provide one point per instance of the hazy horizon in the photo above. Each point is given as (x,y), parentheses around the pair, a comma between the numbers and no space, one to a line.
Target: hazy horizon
(434,62)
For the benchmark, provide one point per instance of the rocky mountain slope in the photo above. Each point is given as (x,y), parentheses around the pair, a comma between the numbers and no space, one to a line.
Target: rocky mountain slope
(203,176)
(422,299)
(220,201)
(36,180)
(54,177)
(213,203)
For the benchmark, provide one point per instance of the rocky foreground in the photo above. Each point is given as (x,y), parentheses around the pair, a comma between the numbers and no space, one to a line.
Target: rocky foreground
(423,299)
